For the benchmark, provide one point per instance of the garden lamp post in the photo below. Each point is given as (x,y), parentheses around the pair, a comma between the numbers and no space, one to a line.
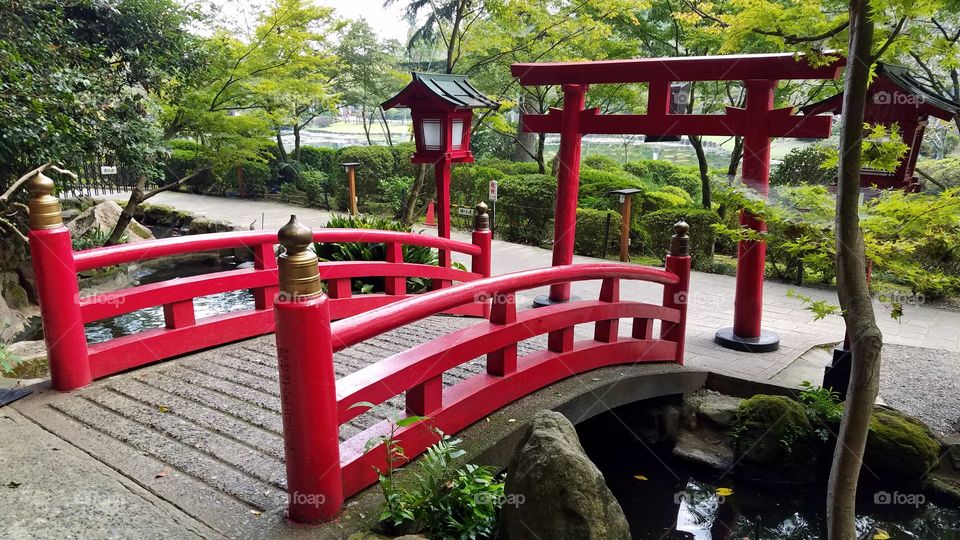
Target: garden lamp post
(442,109)
(351,169)
(626,202)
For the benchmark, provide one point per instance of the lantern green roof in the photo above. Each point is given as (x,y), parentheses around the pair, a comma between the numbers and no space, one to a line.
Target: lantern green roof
(452,90)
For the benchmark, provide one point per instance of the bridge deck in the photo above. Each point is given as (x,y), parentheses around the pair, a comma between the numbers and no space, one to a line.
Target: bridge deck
(207,426)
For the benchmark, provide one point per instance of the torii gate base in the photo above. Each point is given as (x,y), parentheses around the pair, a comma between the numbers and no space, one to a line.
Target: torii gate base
(756,122)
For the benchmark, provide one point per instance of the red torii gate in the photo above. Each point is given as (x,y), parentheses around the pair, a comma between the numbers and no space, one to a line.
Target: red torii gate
(756,123)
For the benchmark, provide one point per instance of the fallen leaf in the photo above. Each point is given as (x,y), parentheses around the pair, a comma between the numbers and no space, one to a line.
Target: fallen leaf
(724,492)
(256,512)
(881,535)
(511,419)
(640,477)
(161,474)
(163,408)
(13,485)
(594,379)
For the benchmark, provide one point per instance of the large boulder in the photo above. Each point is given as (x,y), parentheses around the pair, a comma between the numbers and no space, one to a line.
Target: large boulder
(103,218)
(900,449)
(775,441)
(554,491)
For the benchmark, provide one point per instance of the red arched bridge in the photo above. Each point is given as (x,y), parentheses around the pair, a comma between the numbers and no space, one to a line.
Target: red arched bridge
(310,307)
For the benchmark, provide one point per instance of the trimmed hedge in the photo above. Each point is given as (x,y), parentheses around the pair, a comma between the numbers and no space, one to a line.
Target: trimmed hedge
(469,183)
(525,209)
(595,183)
(591,226)
(513,168)
(256,177)
(688,182)
(657,229)
(318,158)
(376,163)
(602,163)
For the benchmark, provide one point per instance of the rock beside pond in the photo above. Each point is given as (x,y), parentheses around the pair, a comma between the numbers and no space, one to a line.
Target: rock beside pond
(204,225)
(103,218)
(28,359)
(707,448)
(557,492)
(900,448)
(775,441)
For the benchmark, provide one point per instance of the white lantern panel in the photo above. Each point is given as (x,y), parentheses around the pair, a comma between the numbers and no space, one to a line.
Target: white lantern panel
(457,134)
(431,130)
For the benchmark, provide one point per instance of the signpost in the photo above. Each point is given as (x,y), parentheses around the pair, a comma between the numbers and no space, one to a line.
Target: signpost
(107,170)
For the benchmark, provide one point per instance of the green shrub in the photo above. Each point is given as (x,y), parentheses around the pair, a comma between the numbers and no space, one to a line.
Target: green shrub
(376,163)
(526,207)
(688,182)
(395,190)
(656,170)
(591,226)
(513,168)
(319,158)
(658,229)
(803,166)
(402,152)
(186,157)
(660,199)
(637,168)
(364,251)
(291,193)
(602,163)
(315,184)
(469,183)
(946,171)
(596,183)
(256,177)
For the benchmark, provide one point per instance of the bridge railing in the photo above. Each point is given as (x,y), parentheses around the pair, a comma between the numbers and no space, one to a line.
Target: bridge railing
(74,362)
(321,471)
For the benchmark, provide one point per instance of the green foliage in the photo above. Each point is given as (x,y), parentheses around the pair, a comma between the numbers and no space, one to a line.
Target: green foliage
(513,168)
(804,165)
(822,404)
(689,183)
(525,209)
(376,163)
(657,228)
(602,163)
(443,501)
(882,148)
(660,199)
(289,192)
(365,251)
(394,190)
(821,309)
(93,238)
(591,225)
(318,158)
(469,183)
(256,177)
(946,171)
(7,359)
(402,152)
(314,184)
(596,184)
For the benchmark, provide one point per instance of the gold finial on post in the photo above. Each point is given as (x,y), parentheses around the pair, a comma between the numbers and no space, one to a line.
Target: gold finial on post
(299,273)
(44,207)
(680,242)
(481,219)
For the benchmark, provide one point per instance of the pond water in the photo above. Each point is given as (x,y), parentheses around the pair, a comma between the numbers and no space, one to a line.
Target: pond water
(665,499)
(146,319)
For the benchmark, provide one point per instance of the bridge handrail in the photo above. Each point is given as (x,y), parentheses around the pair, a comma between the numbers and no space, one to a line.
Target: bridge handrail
(153,249)
(352,330)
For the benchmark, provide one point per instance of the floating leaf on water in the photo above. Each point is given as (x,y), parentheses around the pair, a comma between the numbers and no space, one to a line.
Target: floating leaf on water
(163,409)
(881,535)
(724,492)
(640,477)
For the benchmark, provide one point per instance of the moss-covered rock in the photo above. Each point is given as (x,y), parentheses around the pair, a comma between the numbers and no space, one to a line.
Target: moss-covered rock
(775,441)
(900,448)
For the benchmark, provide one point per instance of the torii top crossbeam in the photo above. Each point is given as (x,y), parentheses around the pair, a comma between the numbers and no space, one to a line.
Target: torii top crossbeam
(756,122)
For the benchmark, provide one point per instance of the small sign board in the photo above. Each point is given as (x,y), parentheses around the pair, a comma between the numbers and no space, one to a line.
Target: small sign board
(465,211)
(493,190)
(108,169)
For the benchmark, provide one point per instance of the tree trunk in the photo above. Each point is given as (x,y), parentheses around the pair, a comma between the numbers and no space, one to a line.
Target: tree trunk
(865,337)
(366,126)
(296,140)
(541,162)
(526,141)
(386,127)
(697,142)
(410,205)
(280,148)
(136,197)
(735,158)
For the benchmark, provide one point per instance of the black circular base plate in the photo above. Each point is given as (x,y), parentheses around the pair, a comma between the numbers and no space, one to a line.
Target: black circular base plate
(544,301)
(765,342)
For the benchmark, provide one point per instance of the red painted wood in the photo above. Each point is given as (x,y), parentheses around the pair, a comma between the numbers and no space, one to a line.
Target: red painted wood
(389,377)
(179,314)
(51,253)
(784,66)
(482,394)
(264,258)
(606,330)
(140,251)
(442,175)
(377,321)
(308,403)
(395,285)
(426,397)
(111,304)
(143,348)
(642,328)
(677,296)
(339,288)
(503,311)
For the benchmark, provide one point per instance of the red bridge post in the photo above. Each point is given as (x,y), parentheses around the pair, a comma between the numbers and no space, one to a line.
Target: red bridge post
(677,296)
(308,394)
(51,251)
(482,238)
